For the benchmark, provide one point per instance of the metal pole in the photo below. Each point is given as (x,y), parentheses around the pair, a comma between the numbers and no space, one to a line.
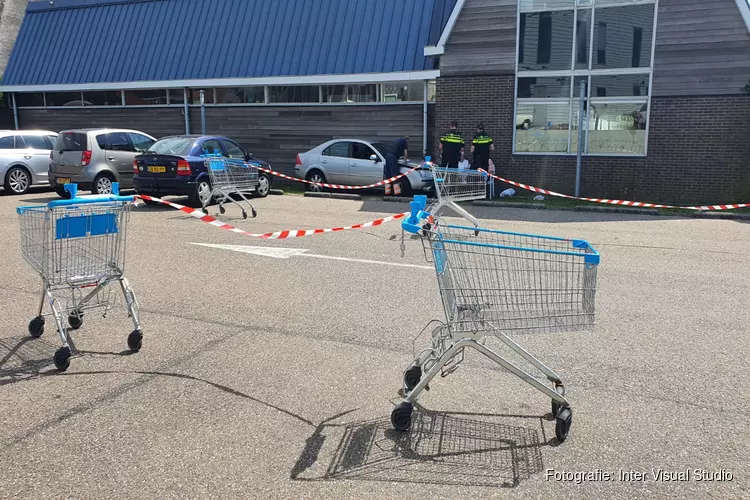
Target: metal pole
(203,112)
(581,141)
(187,111)
(15,110)
(424,121)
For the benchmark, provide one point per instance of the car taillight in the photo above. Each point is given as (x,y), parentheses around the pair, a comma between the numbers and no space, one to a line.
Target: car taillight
(85,157)
(135,166)
(183,167)
(299,161)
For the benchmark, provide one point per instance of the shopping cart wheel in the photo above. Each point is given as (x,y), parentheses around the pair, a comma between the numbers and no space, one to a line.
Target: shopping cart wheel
(222,209)
(563,422)
(204,210)
(412,377)
(62,358)
(36,327)
(555,405)
(255,213)
(401,416)
(244,214)
(134,340)
(75,320)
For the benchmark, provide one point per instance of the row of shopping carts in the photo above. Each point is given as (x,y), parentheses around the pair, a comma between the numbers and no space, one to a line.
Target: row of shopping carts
(493,284)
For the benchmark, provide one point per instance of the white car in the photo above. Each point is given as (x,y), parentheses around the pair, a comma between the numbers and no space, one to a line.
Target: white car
(24,159)
(354,162)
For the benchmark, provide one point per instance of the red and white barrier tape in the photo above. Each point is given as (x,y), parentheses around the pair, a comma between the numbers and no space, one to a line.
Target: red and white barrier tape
(639,204)
(278,235)
(339,186)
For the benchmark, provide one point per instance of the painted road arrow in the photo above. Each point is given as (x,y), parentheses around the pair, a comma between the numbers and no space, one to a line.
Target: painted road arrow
(285,253)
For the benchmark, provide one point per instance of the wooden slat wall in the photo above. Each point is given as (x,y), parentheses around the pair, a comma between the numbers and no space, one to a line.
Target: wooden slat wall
(702,48)
(483,40)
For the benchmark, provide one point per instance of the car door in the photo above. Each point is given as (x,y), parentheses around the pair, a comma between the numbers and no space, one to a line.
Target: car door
(233,150)
(335,162)
(119,154)
(37,154)
(362,170)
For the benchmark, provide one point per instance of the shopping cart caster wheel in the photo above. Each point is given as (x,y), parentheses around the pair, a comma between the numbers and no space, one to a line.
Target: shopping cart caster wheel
(222,210)
(36,327)
(244,214)
(476,232)
(255,213)
(205,211)
(401,416)
(562,424)
(412,377)
(62,358)
(75,320)
(134,340)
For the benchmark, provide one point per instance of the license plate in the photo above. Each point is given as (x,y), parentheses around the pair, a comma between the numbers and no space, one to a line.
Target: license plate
(63,180)
(157,169)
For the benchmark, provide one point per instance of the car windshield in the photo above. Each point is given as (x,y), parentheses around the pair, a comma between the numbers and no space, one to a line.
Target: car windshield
(178,146)
(71,141)
(382,148)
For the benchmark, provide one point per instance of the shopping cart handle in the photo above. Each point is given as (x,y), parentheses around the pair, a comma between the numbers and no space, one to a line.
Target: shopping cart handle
(90,199)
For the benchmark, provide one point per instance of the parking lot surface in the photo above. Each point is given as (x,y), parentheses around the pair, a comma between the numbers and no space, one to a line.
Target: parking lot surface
(270,375)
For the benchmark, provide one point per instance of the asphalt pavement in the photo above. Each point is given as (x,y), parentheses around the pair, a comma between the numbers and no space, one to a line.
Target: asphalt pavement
(267,373)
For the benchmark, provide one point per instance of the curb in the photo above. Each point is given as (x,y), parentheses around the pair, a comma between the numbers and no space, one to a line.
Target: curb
(719,215)
(508,204)
(277,192)
(618,210)
(336,196)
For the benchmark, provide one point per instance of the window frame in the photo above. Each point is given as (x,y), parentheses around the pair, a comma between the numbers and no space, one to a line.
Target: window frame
(227,143)
(590,72)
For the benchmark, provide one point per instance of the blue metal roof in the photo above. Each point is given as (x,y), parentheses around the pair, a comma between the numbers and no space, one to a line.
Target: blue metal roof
(98,41)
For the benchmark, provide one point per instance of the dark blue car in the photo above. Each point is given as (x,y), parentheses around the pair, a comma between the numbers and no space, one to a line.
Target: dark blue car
(174,166)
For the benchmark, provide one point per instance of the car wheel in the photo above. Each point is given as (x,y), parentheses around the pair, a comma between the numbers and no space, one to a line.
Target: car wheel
(405,187)
(201,193)
(102,184)
(17,180)
(317,177)
(264,186)
(60,190)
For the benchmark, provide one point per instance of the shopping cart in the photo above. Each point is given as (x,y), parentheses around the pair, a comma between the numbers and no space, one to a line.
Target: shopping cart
(78,248)
(453,185)
(497,283)
(229,177)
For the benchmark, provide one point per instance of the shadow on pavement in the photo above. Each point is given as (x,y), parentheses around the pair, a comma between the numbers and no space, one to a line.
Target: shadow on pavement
(441,448)
(23,357)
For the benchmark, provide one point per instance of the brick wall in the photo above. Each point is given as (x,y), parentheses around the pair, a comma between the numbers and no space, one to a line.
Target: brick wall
(698,150)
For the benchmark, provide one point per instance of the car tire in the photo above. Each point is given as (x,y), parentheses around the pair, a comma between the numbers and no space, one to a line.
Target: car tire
(406,189)
(103,183)
(17,180)
(264,186)
(315,176)
(194,200)
(60,190)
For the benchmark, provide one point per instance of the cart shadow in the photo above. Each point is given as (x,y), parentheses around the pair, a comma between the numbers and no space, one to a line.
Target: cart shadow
(441,448)
(24,357)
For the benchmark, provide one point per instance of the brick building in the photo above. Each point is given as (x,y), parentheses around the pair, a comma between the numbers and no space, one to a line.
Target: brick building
(666,117)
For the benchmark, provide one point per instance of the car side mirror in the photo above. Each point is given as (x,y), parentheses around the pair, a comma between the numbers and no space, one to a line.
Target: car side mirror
(375,158)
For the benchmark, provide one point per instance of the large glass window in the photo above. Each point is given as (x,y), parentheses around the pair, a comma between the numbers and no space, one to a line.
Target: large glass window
(350,93)
(64,99)
(606,45)
(145,97)
(30,99)
(103,98)
(402,91)
(294,93)
(241,95)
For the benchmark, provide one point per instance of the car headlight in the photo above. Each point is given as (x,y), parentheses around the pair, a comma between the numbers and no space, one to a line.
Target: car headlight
(425,174)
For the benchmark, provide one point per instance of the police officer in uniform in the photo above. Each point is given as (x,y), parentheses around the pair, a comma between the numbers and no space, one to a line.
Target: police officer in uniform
(481,147)
(451,145)
(398,149)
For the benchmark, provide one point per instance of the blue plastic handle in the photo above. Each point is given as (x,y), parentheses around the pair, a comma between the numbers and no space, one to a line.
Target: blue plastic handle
(87,201)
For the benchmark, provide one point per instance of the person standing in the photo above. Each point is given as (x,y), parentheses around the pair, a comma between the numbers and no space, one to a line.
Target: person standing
(399,148)
(481,147)
(451,145)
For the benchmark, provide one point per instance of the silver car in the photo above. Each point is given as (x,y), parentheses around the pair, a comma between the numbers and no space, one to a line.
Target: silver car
(24,158)
(95,158)
(354,162)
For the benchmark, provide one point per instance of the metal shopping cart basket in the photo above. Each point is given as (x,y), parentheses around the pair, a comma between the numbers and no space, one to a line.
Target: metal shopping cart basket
(229,177)
(453,185)
(78,248)
(498,283)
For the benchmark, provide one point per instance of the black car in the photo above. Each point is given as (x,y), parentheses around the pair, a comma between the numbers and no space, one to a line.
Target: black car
(174,166)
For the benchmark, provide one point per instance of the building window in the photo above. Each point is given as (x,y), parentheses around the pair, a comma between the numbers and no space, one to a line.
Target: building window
(241,95)
(151,97)
(432,91)
(403,91)
(30,99)
(194,96)
(350,93)
(615,80)
(104,98)
(294,94)
(64,99)
(176,96)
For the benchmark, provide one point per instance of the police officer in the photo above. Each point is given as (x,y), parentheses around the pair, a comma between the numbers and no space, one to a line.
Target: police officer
(451,145)
(399,148)
(481,147)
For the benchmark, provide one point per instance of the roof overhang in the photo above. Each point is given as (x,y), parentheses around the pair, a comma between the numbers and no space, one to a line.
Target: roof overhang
(439,49)
(233,82)
(744,7)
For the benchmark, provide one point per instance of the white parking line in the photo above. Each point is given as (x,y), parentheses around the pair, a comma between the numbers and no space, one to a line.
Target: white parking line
(285,253)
